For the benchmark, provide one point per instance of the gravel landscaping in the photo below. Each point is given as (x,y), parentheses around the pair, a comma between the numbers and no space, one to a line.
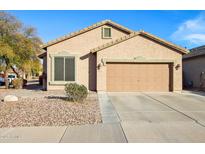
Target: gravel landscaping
(46,108)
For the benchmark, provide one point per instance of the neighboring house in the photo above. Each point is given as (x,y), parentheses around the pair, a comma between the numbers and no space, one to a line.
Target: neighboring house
(109,57)
(194,68)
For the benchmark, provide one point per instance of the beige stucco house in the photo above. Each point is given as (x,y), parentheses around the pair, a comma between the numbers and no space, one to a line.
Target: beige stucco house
(194,68)
(110,57)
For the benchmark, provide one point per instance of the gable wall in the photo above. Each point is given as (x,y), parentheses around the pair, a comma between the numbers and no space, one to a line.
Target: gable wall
(139,47)
(80,46)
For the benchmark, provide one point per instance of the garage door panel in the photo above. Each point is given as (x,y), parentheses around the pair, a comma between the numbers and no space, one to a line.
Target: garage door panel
(138,77)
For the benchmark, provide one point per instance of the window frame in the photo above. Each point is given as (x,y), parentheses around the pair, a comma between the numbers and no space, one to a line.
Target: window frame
(103,32)
(52,69)
(64,68)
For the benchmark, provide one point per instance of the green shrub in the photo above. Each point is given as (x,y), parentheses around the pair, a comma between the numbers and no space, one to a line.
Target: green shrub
(76,92)
(17,83)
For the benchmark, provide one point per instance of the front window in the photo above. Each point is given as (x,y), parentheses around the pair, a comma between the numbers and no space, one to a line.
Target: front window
(64,69)
(107,32)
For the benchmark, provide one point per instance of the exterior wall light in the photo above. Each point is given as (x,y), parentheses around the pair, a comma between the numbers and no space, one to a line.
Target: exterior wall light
(177,66)
(99,66)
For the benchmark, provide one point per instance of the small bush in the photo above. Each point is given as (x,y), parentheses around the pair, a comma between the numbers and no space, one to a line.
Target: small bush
(17,83)
(76,92)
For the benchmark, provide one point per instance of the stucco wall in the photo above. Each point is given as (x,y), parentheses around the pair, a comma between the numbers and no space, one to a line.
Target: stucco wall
(192,69)
(139,47)
(80,46)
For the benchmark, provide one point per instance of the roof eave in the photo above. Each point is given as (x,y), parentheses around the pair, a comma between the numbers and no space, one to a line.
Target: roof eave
(176,47)
(193,56)
(86,30)
(180,49)
(112,43)
(42,55)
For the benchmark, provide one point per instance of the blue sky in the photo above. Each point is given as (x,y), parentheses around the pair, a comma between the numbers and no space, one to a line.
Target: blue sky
(185,28)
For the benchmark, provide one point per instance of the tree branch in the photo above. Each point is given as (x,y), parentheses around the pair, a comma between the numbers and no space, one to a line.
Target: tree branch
(14,70)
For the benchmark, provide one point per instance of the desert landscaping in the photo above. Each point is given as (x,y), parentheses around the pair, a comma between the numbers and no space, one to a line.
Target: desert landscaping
(46,108)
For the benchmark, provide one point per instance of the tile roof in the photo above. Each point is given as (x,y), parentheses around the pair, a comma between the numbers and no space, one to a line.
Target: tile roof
(131,35)
(104,22)
(198,51)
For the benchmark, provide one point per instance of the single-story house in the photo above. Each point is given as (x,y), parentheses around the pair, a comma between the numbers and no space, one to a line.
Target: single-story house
(194,68)
(110,57)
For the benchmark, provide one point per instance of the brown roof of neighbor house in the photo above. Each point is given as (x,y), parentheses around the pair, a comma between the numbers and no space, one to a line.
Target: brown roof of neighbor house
(104,22)
(195,52)
(169,44)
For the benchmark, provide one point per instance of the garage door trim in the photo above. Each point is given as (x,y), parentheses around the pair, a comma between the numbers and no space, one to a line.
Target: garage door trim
(138,59)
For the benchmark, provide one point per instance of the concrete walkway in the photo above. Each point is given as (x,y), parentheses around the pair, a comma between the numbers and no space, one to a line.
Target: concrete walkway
(32,134)
(108,112)
(99,133)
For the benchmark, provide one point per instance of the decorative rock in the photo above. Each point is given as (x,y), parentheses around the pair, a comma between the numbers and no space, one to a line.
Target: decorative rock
(10,98)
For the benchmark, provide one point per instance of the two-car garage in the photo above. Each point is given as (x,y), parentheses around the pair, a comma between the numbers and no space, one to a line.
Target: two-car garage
(131,77)
(139,63)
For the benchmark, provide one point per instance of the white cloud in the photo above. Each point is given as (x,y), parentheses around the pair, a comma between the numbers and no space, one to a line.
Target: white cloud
(192,31)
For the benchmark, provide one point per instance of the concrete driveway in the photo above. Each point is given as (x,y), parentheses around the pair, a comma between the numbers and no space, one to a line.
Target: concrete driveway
(160,117)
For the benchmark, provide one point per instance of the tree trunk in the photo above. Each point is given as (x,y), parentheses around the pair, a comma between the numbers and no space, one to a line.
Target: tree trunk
(6,74)
(6,78)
